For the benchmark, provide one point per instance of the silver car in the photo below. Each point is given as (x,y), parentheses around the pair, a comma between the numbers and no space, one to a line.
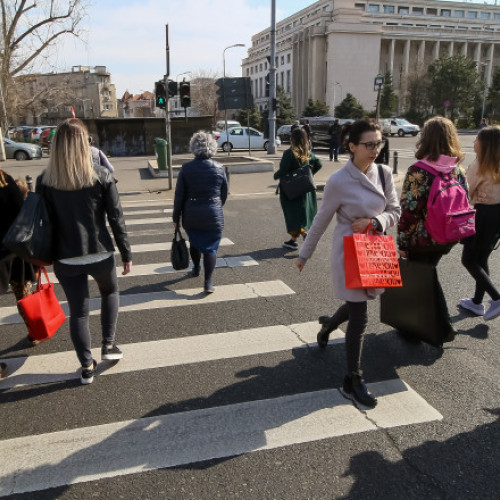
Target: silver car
(21,151)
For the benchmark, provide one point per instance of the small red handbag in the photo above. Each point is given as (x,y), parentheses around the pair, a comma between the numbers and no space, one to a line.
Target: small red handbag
(41,310)
(371,261)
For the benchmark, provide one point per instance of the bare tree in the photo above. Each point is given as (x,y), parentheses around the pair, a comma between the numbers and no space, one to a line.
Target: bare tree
(29,28)
(203,93)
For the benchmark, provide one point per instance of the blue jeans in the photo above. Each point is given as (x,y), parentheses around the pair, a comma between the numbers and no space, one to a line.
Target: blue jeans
(74,280)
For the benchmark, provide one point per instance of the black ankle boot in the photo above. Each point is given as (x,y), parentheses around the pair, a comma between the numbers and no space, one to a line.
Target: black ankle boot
(324,333)
(355,389)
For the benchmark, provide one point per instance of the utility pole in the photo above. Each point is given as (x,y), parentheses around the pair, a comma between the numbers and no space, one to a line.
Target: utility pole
(167,111)
(271,106)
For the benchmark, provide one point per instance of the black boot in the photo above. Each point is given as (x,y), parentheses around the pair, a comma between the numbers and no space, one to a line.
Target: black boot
(355,389)
(326,329)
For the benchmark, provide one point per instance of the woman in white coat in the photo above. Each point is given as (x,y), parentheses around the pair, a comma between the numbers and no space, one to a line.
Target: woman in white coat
(356,194)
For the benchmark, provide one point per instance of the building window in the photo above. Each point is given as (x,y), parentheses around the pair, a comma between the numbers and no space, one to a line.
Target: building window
(359,6)
(485,15)
(403,10)
(373,7)
(288,58)
(418,11)
(260,67)
(458,13)
(288,80)
(389,9)
(432,12)
(260,88)
(251,70)
(282,79)
(265,64)
(445,12)
(496,16)
(276,61)
(282,60)
(472,14)
(248,72)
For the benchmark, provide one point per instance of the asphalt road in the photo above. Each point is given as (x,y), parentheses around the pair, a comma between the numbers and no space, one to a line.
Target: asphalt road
(142,428)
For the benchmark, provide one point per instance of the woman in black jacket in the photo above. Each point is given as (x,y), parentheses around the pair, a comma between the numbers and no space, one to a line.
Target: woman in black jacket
(200,194)
(80,197)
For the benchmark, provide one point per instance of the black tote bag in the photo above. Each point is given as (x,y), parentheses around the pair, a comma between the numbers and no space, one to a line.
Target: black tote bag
(298,182)
(413,308)
(179,253)
(30,236)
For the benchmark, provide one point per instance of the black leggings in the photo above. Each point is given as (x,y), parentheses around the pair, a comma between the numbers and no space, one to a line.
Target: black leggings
(356,313)
(209,261)
(478,248)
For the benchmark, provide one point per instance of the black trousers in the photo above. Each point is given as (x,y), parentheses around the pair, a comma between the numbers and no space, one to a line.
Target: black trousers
(477,250)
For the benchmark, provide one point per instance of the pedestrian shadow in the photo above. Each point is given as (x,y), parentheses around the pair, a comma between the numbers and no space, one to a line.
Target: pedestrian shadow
(463,466)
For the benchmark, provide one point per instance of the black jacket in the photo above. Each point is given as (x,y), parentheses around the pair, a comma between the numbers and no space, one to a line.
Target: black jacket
(79,218)
(200,193)
(11,201)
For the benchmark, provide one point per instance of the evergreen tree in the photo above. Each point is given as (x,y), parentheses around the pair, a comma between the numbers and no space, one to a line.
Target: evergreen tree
(350,107)
(454,80)
(316,108)
(250,114)
(388,99)
(286,113)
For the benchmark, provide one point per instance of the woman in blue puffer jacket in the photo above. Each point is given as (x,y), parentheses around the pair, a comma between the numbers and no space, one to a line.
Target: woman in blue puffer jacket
(200,194)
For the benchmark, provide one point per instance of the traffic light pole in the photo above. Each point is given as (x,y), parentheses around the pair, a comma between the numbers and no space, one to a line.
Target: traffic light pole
(167,112)
(271,148)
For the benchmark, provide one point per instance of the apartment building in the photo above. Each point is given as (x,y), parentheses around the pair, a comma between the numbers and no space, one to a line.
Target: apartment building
(334,47)
(88,90)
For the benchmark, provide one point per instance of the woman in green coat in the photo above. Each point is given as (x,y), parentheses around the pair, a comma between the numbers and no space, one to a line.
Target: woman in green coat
(299,213)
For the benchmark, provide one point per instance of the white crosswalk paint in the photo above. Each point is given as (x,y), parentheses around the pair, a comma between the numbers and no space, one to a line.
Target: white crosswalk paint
(167,245)
(86,454)
(155,211)
(144,222)
(158,269)
(146,203)
(184,297)
(49,368)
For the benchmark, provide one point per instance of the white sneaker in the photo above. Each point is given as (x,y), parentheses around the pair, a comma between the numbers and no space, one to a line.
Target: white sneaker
(470,306)
(494,310)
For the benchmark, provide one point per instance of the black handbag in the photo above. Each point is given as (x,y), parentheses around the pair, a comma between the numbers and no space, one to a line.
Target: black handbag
(179,253)
(30,236)
(298,182)
(413,309)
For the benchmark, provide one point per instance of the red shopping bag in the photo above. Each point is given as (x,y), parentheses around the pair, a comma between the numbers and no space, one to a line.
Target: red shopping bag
(371,261)
(41,310)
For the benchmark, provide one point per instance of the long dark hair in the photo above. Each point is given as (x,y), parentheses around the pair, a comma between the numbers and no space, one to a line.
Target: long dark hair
(352,132)
(300,144)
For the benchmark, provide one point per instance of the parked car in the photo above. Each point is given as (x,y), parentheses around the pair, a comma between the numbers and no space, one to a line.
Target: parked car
(238,138)
(221,125)
(399,126)
(284,132)
(20,150)
(320,125)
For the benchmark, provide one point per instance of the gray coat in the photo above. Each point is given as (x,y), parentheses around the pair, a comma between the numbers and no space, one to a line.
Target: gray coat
(352,195)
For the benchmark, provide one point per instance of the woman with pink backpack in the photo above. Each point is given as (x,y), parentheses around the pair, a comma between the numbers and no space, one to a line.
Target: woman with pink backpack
(420,238)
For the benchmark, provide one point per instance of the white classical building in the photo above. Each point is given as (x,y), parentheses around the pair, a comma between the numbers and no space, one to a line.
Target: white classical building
(334,47)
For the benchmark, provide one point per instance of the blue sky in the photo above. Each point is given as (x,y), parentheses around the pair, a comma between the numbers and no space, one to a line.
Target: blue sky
(128,37)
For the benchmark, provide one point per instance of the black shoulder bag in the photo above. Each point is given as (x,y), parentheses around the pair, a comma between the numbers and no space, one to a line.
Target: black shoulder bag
(298,182)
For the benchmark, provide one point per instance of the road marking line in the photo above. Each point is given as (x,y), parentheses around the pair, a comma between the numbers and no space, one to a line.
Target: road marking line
(43,461)
(56,367)
(184,297)
(167,245)
(146,203)
(160,269)
(145,222)
(156,211)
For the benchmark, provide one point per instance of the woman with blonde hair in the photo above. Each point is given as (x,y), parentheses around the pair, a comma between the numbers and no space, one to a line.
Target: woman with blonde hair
(299,213)
(438,148)
(80,196)
(483,177)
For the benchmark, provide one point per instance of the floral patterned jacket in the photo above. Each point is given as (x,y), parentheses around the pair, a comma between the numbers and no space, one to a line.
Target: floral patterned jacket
(414,195)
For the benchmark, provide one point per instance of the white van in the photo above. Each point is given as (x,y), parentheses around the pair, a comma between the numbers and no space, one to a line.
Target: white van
(221,125)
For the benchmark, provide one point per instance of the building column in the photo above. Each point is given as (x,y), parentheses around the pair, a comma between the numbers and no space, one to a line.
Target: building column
(477,53)
(465,47)
(406,58)
(489,67)
(451,46)
(421,54)
(391,56)
(437,47)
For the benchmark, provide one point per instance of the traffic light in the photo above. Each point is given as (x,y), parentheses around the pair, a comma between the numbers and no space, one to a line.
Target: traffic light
(185,93)
(161,95)
(275,104)
(268,82)
(172,88)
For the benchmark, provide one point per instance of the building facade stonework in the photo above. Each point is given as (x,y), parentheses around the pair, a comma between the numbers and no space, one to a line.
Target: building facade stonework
(335,47)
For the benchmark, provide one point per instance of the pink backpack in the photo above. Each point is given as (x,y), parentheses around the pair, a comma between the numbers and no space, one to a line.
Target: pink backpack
(449,215)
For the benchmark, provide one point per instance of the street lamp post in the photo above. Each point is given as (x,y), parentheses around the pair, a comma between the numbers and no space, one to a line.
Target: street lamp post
(224,84)
(484,64)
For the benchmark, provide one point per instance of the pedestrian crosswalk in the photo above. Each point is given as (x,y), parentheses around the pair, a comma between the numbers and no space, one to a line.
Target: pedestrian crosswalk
(125,446)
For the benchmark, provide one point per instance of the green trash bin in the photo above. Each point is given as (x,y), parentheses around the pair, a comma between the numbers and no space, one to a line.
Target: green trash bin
(161,153)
